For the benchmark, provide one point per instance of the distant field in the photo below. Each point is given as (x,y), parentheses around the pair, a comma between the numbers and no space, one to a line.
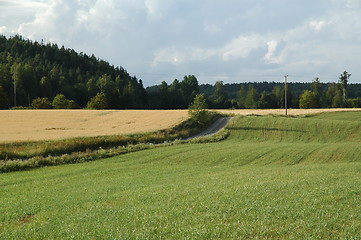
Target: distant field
(30,125)
(273,178)
(27,125)
(292,112)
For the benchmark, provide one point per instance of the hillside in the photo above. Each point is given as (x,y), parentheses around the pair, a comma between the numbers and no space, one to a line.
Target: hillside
(273,178)
(45,70)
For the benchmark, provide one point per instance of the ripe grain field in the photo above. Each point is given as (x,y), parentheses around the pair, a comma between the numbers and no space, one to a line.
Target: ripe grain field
(38,125)
(273,178)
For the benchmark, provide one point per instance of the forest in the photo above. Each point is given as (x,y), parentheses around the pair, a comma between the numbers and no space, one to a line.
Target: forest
(38,75)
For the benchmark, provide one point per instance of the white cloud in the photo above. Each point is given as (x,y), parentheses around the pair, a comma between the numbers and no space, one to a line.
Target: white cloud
(4,30)
(209,37)
(317,25)
(169,55)
(212,29)
(353,4)
(271,48)
(55,23)
(241,47)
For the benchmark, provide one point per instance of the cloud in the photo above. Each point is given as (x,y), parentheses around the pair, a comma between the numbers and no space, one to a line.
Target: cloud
(169,55)
(59,23)
(271,48)
(317,25)
(208,38)
(241,47)
(14,13)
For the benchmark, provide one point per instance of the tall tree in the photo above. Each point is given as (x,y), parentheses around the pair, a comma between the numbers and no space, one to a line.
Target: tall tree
(318,91)
(334,95)
(267,101)
(279,94)
(344,77)
(220,96)
(252,99)
(190,88)
(107,86)
(242,96)
(176,95)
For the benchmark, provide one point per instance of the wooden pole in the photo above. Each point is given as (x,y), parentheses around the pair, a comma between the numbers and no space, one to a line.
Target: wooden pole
(286,76)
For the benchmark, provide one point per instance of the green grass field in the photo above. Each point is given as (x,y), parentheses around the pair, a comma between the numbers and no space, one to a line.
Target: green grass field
(273,178)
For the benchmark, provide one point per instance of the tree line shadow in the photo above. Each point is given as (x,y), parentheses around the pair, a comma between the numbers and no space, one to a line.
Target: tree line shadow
(265,129)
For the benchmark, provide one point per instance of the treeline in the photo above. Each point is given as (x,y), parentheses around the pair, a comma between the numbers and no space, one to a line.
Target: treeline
(263,95)
(39,75)
(31,70)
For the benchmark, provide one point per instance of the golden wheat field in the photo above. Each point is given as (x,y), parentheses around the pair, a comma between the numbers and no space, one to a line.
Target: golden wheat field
(29,125)
(36,125)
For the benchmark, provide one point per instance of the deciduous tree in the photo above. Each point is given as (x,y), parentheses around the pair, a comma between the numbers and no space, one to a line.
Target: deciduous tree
(98,102)
(198,110)
(344,77)
(308,99)
(61,102)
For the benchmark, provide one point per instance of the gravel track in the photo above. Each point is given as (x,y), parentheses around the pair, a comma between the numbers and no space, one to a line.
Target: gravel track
(214,128)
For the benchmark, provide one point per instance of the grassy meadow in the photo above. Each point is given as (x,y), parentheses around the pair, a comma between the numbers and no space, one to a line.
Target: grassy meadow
(273,178)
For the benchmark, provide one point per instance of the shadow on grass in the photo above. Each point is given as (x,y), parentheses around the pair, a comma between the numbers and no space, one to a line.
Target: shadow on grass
(264,129)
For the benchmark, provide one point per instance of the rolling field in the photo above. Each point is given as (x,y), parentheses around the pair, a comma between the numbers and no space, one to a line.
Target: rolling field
(273,178)
(38,125)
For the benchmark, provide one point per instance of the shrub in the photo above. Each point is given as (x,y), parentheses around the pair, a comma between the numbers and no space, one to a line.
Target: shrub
(308,99)
(353,102)
(198,110)
(61,102)
(41,103)
(98,102)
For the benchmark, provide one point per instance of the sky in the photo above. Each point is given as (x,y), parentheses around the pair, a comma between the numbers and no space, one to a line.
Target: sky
(216,40)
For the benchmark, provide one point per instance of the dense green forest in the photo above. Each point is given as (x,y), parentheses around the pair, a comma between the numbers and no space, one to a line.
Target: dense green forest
(45,70)
(39,75)
(264,95)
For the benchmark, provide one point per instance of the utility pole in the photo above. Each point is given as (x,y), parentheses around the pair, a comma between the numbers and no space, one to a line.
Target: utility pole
(286,76)
(15,88)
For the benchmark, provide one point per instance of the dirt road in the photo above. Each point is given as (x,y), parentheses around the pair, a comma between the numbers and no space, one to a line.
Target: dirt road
(214,128)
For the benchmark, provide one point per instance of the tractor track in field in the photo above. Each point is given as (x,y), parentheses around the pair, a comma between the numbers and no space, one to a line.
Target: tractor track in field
(214,128)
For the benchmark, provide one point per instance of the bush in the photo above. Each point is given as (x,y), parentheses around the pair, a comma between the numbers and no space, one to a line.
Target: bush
(21,108)
(61,102)
(353,102)
(41,103)
(198,110)
(308,99)
(98,102)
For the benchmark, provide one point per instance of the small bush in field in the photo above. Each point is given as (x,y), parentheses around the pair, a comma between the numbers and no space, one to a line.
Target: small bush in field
(98,102)
(61,102)
(41,103)
(198,110)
